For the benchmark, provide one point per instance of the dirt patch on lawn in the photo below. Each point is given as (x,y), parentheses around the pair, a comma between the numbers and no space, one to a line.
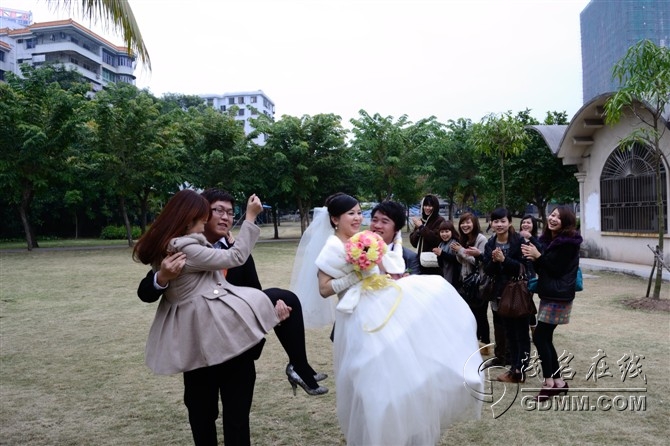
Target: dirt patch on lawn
(646,303)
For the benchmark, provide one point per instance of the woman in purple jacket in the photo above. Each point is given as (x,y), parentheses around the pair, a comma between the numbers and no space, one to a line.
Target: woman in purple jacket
(556,267)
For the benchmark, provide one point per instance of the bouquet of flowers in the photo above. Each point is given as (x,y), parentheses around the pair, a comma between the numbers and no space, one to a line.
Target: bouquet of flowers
(365,250)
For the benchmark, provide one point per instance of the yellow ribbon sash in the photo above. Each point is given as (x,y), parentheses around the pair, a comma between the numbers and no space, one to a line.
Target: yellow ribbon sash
(377,282)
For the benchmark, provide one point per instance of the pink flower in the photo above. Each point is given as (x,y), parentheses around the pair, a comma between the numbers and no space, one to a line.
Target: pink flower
(364,250)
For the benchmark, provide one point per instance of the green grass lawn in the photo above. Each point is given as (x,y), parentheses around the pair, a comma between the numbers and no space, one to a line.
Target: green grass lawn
(72,372)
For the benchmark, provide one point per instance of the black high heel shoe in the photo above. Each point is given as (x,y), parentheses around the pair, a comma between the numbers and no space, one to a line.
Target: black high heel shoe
(295,380)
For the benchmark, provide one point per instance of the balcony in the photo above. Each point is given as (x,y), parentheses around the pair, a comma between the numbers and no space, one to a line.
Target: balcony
(65,46)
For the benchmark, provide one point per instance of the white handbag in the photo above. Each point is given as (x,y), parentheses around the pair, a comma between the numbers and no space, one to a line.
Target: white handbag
(428,260)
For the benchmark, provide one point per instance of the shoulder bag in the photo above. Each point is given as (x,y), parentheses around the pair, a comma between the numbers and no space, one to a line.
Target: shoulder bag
(487,288)
(579,282)
(515,299)
(469,289)
(427,259)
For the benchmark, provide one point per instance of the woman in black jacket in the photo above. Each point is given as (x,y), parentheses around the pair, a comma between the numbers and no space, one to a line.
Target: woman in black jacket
(502,262)
(557,273)
(426,233)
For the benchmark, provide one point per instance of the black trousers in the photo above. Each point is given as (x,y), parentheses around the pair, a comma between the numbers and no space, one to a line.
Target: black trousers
(518,341)
(501,350)
(480,312)
(543,338)
(291,334)
(234,380)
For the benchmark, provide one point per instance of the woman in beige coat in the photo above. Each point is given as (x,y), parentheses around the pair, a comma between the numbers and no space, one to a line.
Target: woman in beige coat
(206,328)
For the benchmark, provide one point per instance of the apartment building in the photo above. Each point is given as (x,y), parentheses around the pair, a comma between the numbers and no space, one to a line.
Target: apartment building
(248,105)
(67,43)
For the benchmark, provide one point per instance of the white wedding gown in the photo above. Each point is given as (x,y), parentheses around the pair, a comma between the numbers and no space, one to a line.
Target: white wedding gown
(406,382)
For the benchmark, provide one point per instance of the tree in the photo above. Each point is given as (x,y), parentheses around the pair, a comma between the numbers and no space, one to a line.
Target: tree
(537,176)
(501,136)
(304,158)
(174,101)
(40,119)
(387,152)
(217,149)
(455,172)
(119,14)
(137,148)
(644,76)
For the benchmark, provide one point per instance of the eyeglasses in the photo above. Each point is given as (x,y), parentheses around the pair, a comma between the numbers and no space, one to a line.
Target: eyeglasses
(221,212)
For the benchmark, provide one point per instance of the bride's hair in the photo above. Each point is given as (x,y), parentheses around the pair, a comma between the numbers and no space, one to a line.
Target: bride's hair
(338,204)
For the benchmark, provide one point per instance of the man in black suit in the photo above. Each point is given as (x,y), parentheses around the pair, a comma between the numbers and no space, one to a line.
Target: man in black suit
(290,332)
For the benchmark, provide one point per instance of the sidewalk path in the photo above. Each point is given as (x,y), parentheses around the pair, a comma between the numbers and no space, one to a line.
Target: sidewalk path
(633,269)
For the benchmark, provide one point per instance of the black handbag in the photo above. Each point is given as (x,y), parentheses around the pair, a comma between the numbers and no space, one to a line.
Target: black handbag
(515,299)
(469,289)
(487,288)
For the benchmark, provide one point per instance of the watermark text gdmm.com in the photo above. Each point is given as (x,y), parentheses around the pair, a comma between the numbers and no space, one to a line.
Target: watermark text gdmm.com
(583,403)
(593,399)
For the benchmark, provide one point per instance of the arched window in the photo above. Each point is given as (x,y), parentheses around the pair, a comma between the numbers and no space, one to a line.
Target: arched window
(628,192)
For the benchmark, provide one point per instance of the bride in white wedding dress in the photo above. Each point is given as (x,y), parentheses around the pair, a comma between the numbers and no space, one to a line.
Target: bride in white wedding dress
(406,355)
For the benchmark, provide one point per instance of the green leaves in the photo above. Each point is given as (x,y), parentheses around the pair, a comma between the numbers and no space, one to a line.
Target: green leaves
(644,77)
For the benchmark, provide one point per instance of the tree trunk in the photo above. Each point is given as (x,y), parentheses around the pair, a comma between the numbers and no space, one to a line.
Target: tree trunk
(451,197)
(76,226)
(661,226)
(304,215)
(275,221)
(126,221)
(24,210)
(541,210)
(144,209)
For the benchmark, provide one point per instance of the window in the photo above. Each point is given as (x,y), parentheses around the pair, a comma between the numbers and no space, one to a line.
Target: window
(2,56)
(240,112)
(240,100)
(125,78)
(222,108)
(108,58)
(125,61)
(108,75)
(30,43)
(628,192)
(252,99)
(231,101)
